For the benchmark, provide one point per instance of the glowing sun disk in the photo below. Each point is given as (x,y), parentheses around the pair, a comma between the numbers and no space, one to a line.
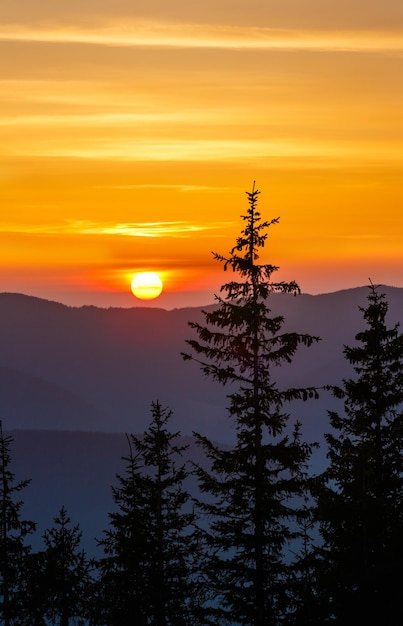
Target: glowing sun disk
(146,285)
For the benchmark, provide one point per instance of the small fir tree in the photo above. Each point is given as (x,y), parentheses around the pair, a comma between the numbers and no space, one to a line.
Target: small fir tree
(255,490)
(63,580)
(305,607)
(13,533)
(360,496)
(146,575)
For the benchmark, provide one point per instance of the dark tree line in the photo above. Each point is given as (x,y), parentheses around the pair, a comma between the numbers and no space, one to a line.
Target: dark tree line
(264,543)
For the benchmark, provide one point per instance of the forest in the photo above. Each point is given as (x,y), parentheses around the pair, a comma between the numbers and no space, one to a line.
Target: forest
(266,541)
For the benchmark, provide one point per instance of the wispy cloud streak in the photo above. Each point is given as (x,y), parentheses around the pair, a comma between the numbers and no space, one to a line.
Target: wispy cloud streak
(210,150)
(170,35)
(93,119)
(127,229)
(168,187)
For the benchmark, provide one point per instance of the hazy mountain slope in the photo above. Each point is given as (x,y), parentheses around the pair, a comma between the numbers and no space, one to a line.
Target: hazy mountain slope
(119,360)
(75,470)
(99,369)
(71,469)
(46,405)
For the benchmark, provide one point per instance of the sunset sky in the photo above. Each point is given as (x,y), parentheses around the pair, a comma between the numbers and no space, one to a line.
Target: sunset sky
(130,131)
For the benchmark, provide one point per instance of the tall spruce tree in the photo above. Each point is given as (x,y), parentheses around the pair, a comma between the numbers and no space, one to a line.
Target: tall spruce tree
(360,496)
(146,575)
(13,548)
(255,490)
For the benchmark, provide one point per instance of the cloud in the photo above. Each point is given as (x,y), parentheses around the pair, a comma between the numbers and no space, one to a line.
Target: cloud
(171,35)
(126,229)
(204,150)
(174,187)
(110,119)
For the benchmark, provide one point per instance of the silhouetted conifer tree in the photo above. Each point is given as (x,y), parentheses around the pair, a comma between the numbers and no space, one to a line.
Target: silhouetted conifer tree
(146,575)
(13,533)
(305,606)
(257,488)
(360,496)
(62,581)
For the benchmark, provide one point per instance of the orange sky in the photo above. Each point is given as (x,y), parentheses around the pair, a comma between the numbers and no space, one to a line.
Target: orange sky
(130,132)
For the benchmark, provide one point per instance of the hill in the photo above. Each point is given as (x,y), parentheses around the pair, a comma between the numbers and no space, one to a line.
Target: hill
(92,369)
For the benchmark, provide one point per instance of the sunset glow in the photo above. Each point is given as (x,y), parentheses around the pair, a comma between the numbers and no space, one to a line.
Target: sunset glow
(130,134)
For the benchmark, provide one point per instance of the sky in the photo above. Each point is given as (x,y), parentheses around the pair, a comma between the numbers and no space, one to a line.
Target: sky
(131,130)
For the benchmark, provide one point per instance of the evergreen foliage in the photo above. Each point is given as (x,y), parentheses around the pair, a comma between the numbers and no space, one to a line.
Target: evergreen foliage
(13,549)
(359,498)
(255,491)
(304,601)
(64,576)
(146,575)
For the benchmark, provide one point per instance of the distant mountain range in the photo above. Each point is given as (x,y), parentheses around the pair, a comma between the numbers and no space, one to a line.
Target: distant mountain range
(73,380)
(92,369)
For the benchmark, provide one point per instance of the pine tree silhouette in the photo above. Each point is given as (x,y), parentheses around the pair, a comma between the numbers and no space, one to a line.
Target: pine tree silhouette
(255,491)
(147,572)
(13,533)
(360,496)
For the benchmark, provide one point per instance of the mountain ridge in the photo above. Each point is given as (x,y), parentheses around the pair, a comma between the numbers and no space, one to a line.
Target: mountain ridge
(97,369)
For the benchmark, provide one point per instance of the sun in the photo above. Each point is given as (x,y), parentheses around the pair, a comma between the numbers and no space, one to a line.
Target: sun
(146,285)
